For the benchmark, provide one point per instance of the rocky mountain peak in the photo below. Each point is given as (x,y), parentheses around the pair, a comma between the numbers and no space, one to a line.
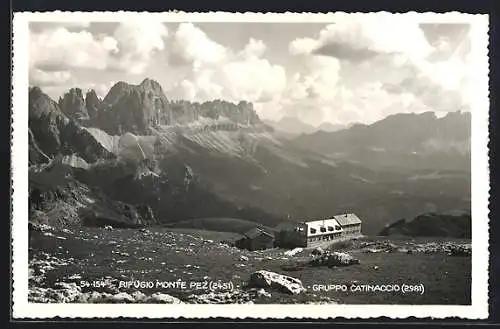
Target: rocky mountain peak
(73,104)
(116,92)
(92,103)
(41,104)
(137,108)
(150,84)
(54,132)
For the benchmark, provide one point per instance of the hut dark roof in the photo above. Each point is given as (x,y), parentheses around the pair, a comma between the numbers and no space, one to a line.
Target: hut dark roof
(255,232)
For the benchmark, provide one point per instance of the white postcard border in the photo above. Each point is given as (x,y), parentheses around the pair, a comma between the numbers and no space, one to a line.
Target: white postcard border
(479,185)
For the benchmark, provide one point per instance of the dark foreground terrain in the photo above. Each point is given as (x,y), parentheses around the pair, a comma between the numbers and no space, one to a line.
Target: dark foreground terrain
(87,264)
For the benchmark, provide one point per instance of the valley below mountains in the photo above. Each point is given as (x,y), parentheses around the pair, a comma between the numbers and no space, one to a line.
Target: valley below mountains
(136,158)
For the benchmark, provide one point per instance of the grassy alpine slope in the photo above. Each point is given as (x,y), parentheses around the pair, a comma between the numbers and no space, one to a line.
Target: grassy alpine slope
(59,258)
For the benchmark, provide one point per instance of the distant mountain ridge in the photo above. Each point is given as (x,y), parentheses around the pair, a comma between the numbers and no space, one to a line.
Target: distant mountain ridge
(293,127)
(421,141)
(454,225)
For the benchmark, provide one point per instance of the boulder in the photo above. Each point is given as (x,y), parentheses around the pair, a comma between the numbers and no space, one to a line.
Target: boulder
(267,279)
(317,251)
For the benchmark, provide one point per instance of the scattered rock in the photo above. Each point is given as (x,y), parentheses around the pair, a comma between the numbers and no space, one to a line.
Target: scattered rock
(108,228)
(460,250)
(63,293)
(122,297)
(230,297)
(334,259)
(71,292)
(317,251)
(293,252)
(262,293)
(138,296)
(39,227)
(243,258)
(379,246)
(451,248)
(75,277)
(267,279)
(158,297)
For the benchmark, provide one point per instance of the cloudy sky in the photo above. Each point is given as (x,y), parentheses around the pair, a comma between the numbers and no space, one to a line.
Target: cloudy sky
(356,69)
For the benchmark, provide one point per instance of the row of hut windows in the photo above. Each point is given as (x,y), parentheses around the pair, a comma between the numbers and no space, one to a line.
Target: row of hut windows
(323,229)
(324,237)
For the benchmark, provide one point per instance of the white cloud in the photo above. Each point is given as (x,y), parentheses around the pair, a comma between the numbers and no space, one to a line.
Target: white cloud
(59,49)
(309,93)
(254,49)
(101,89)
(56,52)
(302,46)
(218,72)
(363,36)
(199,87)
(385,65)
(442,82)
(137,41)
(254,79)
(41,78)
(192,46)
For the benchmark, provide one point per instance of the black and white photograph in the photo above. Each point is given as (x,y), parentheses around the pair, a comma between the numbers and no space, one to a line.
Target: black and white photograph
(262,162)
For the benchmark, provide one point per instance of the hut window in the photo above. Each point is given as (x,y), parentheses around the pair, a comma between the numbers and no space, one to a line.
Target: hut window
(330,228)
(337,227)
(322,229)
(313,230)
